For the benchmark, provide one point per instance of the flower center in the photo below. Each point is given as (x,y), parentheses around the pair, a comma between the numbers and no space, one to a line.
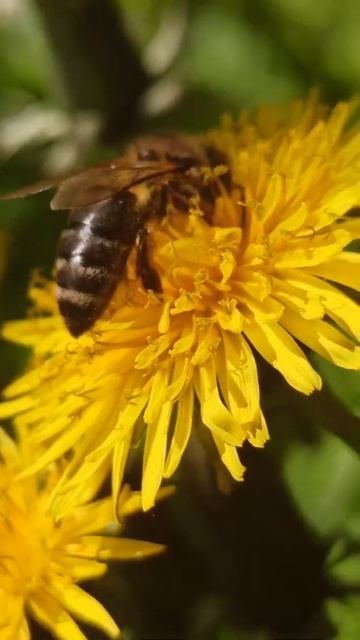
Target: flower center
(25,534)
(208,275)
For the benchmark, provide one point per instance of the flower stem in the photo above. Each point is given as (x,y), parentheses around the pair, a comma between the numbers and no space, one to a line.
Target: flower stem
(97,64)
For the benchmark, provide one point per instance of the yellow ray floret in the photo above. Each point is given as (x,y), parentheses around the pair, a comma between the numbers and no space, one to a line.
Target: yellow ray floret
(43,558)
(261,277)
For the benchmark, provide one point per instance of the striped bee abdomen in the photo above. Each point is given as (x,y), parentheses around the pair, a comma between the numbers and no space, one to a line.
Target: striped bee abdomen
(92,256)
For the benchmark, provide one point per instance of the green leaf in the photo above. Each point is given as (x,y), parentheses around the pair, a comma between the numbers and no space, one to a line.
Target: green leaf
(344,614)
(324,480)
(347,571)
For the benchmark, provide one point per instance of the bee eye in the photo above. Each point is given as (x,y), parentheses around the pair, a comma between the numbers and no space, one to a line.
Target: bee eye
(148,155)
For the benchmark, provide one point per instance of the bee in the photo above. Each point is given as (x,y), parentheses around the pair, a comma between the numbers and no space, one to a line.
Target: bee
(110,207)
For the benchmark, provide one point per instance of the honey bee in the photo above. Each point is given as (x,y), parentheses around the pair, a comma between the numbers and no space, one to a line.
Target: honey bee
(110,209)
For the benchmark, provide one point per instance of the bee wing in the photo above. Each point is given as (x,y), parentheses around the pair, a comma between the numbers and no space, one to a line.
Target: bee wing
(41,185)
(30,190)
(94,184)
(99,183)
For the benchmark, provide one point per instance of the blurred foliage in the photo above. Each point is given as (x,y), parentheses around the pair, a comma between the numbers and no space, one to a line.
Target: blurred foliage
(332,478)
(279,555)
(345,615)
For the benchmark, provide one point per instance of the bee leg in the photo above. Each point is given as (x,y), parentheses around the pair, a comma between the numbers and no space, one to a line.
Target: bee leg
(144,270)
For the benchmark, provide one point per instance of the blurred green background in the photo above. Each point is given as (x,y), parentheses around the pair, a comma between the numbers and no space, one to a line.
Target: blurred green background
(277,556)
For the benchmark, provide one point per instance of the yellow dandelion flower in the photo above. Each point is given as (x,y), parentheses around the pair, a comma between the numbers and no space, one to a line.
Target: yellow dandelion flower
(257,278)
(42,559)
